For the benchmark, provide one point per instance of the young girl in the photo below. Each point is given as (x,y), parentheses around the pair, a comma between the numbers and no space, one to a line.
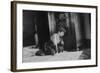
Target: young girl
(55,44)
(57,39)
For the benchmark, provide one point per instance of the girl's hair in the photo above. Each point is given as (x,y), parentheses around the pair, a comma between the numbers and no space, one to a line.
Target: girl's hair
(61,30)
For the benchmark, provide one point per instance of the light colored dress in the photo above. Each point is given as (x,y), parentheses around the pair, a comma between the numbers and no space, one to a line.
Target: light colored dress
(55,39)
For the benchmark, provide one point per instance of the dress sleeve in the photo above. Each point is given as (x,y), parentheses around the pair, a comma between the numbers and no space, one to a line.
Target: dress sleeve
(54,39)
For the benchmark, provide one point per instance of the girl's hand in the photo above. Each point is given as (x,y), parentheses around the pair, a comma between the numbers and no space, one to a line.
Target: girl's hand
(62,42)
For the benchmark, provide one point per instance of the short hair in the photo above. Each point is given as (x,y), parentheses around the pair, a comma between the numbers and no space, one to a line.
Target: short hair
(61,29)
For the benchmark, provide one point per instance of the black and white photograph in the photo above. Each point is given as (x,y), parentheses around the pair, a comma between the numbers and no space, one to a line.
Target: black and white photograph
(56,36)
(53,36)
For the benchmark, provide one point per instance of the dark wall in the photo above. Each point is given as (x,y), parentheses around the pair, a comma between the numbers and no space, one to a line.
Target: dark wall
(33,20)
(42,28)
(79,33)
(70,36)
(28,27)
(85,19)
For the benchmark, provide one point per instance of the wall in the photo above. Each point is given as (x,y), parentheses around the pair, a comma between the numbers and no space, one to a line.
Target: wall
(82,28)
(5,37)
(28,27)
(87,26)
